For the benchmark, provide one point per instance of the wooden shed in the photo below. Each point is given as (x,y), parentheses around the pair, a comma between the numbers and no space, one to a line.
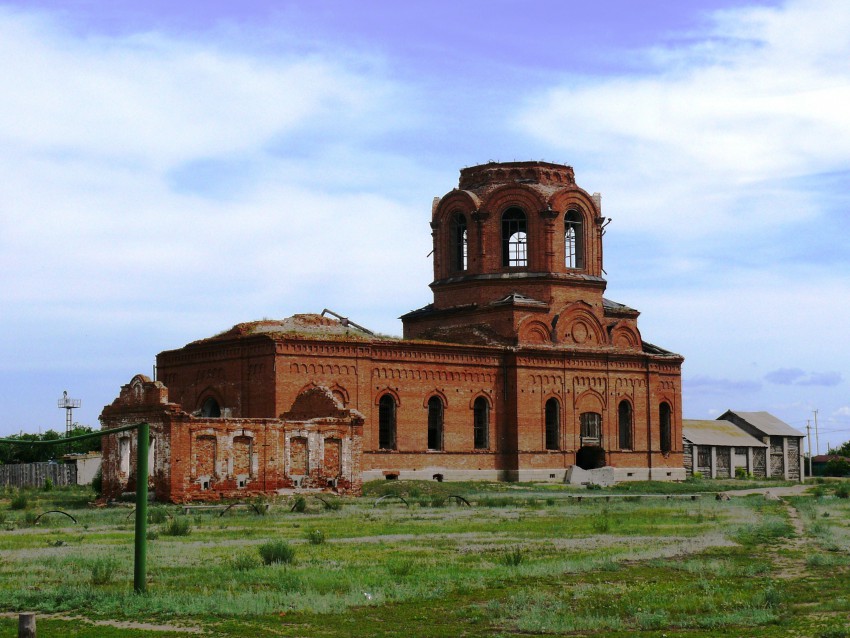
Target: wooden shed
(786,444)
(715,448)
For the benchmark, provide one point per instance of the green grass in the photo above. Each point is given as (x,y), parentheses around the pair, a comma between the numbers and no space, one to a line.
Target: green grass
(523,560)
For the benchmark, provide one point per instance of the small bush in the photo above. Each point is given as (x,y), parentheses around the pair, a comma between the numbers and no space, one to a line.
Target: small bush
(696,476)
(333,505)
(438,501)
(103,570)
(19,501)
(274,552)
(514,557)
(315,536)
(97,482)
(842,491)
(400,568)
(243,562)
(601,524)
(157,515)
(152,535)
(30,518)
(48,485)
(300,504)
(177,527)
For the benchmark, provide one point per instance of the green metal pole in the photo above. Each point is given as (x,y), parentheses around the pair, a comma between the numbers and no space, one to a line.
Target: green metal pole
(140,569)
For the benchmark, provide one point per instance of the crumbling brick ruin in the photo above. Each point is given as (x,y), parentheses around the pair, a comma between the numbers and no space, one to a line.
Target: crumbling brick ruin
(518,370)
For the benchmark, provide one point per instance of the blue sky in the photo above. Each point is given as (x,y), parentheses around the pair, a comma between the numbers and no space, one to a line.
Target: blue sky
(171,169)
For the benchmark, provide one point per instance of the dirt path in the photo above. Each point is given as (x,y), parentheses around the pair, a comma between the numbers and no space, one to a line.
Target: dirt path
(790,490)
(120,624)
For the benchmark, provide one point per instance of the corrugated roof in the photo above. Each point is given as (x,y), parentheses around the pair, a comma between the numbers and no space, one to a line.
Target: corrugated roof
(715,432)
(767,423)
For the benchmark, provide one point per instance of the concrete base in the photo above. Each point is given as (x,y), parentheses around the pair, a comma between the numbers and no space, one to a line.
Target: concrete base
(554,475)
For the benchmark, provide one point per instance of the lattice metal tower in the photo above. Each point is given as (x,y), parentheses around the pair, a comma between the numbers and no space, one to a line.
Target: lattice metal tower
(69,404)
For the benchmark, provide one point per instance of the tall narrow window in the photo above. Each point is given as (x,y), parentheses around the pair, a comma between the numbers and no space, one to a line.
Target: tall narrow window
(435,424)
(514,246)
(459,244)
(664,414)
(386,422)
(573,240)
(624,414)
(553,424)
(481,424)
(591,428)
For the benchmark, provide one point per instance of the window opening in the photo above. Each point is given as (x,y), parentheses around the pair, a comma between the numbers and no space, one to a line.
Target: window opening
(625,422)
(514,241)
(459,247)
(211,409)
(666,428)
(591,427)
(386,422)
(573,240)
(553,424)
(435,424)
(481,424)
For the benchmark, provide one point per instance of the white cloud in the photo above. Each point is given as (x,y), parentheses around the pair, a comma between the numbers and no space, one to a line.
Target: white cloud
(761,97)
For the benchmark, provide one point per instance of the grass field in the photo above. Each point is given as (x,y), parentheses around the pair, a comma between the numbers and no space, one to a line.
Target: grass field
(519,560)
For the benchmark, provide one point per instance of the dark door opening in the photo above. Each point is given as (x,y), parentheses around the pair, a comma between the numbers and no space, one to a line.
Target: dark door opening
(590,457)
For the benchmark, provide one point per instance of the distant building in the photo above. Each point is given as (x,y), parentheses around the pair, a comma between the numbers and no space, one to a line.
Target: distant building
(717,448)
(518,370)
(87,466)
(785,455)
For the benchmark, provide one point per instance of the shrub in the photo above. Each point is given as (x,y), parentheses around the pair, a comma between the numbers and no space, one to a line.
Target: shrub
(276,552)
(332,505)
(152,535)
(19,501)
(300,504)
(103,570)
(243,562)
(157,515)
(315,536)
(837,467)
(514,557)
(177,527)
(741,473)
(696,476)
(842,491)
(97,482)
(30,518)
(48,485)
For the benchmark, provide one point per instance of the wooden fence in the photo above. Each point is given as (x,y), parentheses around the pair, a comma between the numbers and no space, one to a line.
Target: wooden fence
(35,474)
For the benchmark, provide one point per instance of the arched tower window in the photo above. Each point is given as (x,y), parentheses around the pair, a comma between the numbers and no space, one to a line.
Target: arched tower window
(481,424)
(664,418)
(435,424)
(386,422)
(624,414)
(553,424)
(573,240)
(458,243)
(514,240)
(211,409)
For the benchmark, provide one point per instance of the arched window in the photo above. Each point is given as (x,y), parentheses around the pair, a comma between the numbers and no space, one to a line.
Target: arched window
(481,424)
(211,409)
(664,414)
(553,424)
(386,422)
(624,415)
(591,428)
(573,240)
(459,243)
(514,246)
(435,424)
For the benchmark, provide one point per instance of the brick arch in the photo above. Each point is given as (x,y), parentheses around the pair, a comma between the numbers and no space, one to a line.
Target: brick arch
(578,325)
(478,395)
(435,393)
(576,198)
(519,195)
(534,331)
(210,392)
(455,201)
(387,390)
(590,401)
(625,337)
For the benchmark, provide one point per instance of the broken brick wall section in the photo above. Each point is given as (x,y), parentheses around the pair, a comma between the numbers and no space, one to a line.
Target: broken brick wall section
(208,459)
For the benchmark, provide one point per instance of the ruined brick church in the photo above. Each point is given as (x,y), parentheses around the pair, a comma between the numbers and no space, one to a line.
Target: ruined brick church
(518,370)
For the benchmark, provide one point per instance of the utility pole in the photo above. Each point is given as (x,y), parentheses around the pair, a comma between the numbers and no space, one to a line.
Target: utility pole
(809,439)
(817,442)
